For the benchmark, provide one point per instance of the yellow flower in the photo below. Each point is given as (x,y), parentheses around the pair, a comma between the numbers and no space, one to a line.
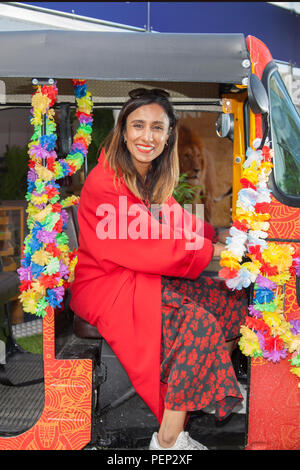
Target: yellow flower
(41,257)
(72,269)
(262,217)
(296,371)
(28,300)
(69,201)
(294,344)
(229,260)
(279,255)
(242,214)
(51,114)
(251,173)
(248,342)
(267,166)
(64,258)
(85,136)
(32,210)
(253,267)
(39,290)
(40,102)
(36,120)
(42,214)
(64,248)
(279,302)
(36,200)
(264,226)
(85,104)
(272,318)
(230,263)
(229,254)
(281,278)
(44,173)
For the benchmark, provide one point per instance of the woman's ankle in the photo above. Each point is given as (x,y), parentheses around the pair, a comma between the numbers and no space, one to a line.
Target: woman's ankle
(171,426)
(166,440)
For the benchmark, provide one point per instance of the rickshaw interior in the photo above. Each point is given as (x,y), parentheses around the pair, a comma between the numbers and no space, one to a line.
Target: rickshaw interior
(210,149)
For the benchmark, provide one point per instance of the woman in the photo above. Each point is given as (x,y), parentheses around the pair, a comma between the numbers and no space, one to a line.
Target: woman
(137,276)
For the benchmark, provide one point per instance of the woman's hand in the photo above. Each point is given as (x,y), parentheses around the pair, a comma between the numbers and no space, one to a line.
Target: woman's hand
(218,248)
(223,234)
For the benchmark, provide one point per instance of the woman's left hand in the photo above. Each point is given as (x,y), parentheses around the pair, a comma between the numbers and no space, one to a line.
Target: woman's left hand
(223,235)
(218,248)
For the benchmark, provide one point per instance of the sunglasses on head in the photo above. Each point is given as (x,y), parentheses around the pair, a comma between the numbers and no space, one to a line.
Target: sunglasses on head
(140,92)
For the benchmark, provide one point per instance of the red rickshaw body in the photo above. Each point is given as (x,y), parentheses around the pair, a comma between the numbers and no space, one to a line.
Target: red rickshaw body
(274,398)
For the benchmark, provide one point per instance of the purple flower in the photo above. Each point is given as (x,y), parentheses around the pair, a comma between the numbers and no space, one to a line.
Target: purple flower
(25,274)
(40,206)
(253,312)
(53,154)
(296,326)
(32,175)
(59,293)
(297,267)
(78,147)
(275,355)
(264,282)
(85,119)
(261,340)
(38,151)
(46,237)
(64,216)
(63,269)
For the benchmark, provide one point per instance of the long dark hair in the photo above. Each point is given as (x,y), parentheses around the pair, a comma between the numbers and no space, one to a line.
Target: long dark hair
(163,176)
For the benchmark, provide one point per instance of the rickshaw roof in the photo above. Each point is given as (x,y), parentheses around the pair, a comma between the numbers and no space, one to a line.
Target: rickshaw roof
(134,56)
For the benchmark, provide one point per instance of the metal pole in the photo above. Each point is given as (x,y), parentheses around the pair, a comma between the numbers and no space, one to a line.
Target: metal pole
(148,17)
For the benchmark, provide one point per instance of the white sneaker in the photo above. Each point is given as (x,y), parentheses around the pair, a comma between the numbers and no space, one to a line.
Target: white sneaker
(183,442)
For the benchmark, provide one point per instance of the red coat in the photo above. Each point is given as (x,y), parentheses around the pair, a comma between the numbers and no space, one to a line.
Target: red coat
(117,284)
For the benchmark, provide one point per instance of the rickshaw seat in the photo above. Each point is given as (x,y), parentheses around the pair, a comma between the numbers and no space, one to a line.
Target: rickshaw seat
(81,328)
(9,286)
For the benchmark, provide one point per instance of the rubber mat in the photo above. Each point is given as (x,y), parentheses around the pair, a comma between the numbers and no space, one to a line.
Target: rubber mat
(20,407)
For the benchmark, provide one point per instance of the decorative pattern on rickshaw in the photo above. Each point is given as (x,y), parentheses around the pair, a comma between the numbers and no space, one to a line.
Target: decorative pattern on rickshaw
(285,224)
(65,422)
(284,221)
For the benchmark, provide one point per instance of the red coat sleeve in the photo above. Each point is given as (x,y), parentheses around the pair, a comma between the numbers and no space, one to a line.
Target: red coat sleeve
(123,231)
(198,225)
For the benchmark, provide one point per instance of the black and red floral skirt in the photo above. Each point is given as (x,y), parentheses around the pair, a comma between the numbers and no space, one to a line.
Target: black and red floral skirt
(198,317)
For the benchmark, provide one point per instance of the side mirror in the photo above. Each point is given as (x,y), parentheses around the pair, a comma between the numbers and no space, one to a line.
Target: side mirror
(257,95)
(225,126)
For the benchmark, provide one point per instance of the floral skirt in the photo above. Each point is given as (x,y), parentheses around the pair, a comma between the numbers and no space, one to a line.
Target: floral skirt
(198,317)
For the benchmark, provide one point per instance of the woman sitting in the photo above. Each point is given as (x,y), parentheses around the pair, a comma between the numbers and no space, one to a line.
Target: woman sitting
(138,275)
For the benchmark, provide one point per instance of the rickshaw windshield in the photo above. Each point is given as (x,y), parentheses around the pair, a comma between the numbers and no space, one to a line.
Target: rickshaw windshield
(285,126)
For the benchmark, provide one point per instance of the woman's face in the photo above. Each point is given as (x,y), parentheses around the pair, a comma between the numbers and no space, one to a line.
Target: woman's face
(146,133)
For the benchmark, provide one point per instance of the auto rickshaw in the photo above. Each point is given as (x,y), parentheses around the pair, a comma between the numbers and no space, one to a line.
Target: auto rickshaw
(53,401)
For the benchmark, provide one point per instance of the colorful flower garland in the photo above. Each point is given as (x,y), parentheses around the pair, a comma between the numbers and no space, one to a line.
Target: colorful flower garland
(266,332)
(47,265)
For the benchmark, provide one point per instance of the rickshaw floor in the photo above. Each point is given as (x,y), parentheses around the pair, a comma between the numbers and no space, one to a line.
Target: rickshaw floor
(16,411)
(131,426)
